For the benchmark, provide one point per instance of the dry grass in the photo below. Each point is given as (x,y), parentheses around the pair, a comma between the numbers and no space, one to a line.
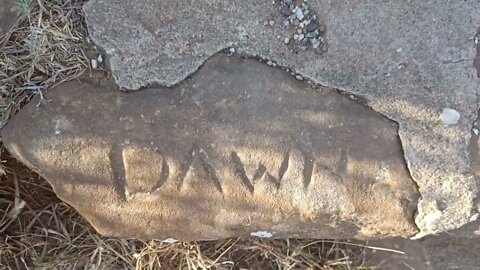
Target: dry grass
(38,231)
(45,48)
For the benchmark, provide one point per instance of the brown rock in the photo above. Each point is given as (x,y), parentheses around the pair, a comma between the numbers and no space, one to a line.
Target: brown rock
(7,16)
(238,149)
(298,3)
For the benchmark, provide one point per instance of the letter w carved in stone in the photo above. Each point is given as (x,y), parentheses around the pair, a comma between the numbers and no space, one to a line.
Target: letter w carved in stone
(260,175)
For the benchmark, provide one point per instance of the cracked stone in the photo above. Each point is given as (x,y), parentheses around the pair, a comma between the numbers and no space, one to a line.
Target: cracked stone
(363,39)
(238,149)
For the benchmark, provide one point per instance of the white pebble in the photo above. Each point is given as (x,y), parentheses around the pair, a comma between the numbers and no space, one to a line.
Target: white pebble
(269,63)
(286,40)
(169,241)
(100,58)
(301,37)
(298,77)
(271,22)
(450,116)
(475,131)
(232,50)
(94,63)
(262,234)
(299,14)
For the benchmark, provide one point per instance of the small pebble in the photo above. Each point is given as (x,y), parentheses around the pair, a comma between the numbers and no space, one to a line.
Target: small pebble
(299,14)
(271,22)
(301,37)
(286,40)
(285,11)
(316,44)
(298,77)
(265,23)
(269,63)
(169,241)
(94,63)
(450,116)
(322,28)
(312,26)
(298,3)
(475,131)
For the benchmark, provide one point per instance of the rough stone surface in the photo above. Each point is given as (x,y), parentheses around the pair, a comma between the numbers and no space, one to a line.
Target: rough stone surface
(409,60)
(7,16)
(455,250)
(238,149)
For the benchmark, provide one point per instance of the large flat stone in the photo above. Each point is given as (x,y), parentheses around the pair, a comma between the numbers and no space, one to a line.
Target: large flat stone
(238,149)
(409,60)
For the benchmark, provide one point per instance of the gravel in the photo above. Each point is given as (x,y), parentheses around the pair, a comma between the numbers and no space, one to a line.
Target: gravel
(301,24)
